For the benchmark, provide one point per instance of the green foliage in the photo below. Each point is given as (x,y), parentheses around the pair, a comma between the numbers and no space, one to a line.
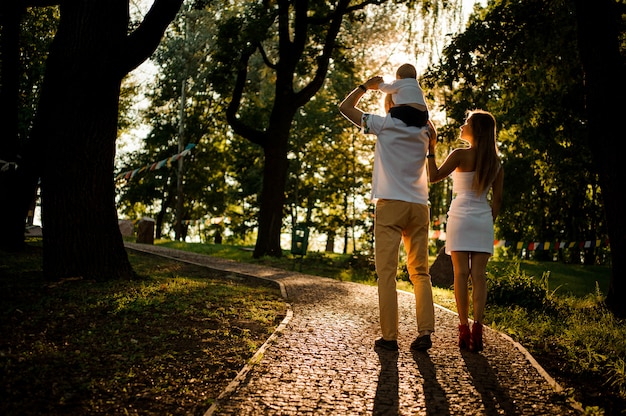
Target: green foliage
(520,61)
(38,28)
(576,333)
(564,279)
(330,169)
(514,287)
(222,174)
(578,337)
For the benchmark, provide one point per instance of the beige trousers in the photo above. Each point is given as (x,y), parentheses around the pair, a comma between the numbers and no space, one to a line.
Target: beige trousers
(407,222)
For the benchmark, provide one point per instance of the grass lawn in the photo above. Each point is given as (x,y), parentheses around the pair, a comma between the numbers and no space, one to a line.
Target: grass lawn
(166,343)
(565,279)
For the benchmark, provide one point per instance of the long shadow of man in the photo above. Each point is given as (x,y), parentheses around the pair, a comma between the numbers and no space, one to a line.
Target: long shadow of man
(387,399)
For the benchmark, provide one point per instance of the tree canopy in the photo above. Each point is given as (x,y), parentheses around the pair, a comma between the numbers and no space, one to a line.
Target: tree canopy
(254,85)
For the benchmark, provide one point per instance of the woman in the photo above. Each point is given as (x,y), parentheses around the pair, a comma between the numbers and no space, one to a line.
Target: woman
(475,171)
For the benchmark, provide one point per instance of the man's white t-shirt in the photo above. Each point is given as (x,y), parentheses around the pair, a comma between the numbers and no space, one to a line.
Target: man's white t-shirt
(399,159)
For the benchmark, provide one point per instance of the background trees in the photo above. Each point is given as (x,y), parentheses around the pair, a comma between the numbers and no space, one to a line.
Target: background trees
(534,86)
(23,55)
(294,41)
(315,127)
(294,45)
(522,61)
(260,87)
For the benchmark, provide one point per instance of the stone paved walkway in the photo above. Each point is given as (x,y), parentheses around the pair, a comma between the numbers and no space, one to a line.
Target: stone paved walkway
(321,359)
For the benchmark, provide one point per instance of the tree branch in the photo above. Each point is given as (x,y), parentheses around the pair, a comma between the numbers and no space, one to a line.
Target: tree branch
(239,127)
(144,40)
(305,94)
(321,20)
(284,42)
(266,59)
(301,26)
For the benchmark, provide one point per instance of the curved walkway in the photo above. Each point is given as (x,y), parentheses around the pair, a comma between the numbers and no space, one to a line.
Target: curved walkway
(321,360)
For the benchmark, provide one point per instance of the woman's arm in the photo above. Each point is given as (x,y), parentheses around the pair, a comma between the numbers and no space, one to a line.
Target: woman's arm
(496,197)
(435,174)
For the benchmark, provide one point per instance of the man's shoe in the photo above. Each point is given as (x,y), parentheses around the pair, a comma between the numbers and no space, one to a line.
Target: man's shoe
(386,345)
(422,343)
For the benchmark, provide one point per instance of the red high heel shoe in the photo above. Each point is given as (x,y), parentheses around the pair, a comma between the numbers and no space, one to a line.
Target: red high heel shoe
(464,337)
(476,340)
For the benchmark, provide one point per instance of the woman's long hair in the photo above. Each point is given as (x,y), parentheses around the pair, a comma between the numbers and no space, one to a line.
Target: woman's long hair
(483,125)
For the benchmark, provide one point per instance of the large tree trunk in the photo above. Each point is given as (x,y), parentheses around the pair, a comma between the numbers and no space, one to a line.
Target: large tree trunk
(605,83)
(272,197)
(74,139)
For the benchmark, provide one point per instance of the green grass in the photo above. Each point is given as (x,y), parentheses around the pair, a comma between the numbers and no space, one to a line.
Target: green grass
(566,279)
(345,267)
(166,343)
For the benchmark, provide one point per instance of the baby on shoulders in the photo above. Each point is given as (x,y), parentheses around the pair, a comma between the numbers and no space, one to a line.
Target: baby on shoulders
(408,97)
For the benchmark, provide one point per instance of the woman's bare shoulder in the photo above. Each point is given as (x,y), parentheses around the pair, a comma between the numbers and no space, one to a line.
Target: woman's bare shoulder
(466,159)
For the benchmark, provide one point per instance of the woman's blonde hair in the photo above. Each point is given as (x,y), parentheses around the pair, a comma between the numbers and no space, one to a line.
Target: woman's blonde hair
(483,126)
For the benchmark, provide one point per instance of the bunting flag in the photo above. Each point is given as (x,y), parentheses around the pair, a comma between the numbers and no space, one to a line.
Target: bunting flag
(5,166)
(156,165)
(535,245)
(208,221)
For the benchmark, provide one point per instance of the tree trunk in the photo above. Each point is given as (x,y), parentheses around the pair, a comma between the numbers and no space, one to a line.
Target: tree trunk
(13,204)
(330,241)
(272,197)
(74,140)
(598,37)
(72,144)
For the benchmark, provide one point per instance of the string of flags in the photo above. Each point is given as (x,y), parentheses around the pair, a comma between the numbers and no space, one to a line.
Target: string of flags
(156,165)
(210,221)
(5,165)
(535,245)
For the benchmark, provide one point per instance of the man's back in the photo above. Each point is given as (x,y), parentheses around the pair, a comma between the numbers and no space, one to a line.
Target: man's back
(399,160)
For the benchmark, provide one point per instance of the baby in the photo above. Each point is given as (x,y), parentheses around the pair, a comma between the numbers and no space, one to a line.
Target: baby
(408,97)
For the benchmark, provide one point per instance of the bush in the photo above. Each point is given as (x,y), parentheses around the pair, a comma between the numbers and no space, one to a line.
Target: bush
(514,287)
(356,261)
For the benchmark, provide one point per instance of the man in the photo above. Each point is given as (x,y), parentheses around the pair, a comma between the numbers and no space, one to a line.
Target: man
(400,191)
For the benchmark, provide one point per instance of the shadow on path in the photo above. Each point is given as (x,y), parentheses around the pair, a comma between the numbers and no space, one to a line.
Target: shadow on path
(434,394)
(387,399)
(494,397)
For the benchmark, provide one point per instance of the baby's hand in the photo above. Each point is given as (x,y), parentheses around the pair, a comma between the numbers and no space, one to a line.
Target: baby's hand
(372,83)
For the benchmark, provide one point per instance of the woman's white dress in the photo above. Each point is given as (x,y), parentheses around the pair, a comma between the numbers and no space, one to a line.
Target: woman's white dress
(470,222)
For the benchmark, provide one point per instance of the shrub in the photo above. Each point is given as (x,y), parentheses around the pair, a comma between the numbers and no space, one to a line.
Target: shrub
(514,287)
